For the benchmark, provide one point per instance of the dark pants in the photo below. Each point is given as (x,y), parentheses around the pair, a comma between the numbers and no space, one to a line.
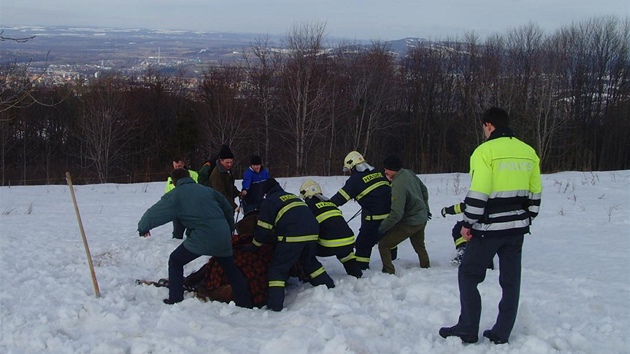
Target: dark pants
(345,255)
(285,255)
(366,240)
(182,256)
(178,229)
(472,271)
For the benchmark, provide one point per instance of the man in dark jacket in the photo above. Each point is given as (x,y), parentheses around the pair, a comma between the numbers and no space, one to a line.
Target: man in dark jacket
(209,222)
(221,178)
(285,220)
(336,238)
(204,172)
(408,216)
(253,179)
(373,193)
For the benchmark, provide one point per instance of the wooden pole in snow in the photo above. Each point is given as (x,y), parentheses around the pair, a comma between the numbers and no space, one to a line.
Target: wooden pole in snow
(85,243)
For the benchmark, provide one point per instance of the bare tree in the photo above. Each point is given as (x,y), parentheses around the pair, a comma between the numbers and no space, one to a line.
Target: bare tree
(103,128)
(263,70)
(17,86)
(371,89)
(304,109)
(224,106)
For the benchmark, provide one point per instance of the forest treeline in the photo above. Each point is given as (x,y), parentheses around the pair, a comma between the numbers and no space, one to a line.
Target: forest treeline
(305,107)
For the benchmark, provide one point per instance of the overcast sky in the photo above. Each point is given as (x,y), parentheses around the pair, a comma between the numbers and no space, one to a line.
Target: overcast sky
(353,19)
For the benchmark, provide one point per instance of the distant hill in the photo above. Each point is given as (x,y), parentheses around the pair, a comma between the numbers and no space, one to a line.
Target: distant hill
(137,49)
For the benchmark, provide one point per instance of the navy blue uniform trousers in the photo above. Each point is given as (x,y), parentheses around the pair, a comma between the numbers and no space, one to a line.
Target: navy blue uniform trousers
(472,271)
(285,255)
(367,238)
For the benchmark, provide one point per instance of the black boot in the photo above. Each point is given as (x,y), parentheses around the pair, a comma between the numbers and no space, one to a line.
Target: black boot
(493,337)
(353,268)
(323,279)
(275,298)
(446,332)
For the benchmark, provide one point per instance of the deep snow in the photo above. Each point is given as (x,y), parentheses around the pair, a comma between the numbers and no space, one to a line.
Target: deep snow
(575,294)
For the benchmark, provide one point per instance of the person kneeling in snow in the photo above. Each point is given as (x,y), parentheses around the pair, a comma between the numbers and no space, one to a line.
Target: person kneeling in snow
(286,221)
(209,221)
(336,238)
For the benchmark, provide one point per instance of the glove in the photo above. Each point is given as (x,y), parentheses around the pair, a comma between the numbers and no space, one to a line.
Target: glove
(251,248)
(443,212)
(429,216)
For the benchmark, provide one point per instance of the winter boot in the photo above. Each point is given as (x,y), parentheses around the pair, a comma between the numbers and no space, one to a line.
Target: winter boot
(323,279)
(364,265)
(493,337)
(275,299)
(353,268)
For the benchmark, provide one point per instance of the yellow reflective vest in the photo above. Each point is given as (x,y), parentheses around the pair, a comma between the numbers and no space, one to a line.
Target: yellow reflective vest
(169,182)
(505,188)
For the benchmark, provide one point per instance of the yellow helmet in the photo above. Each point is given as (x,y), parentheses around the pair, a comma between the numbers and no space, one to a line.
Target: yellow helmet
(352,159)
(309,188)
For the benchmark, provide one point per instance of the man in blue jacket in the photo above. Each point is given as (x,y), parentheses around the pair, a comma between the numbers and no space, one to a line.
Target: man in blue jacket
(209,222)
(253,179)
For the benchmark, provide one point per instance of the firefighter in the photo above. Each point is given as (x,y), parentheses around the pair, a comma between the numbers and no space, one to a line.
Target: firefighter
(371,189)
(285,220)
(336,238)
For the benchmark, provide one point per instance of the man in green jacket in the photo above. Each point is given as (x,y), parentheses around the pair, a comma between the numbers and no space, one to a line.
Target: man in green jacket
(408,216)
(178,228)
(209,222)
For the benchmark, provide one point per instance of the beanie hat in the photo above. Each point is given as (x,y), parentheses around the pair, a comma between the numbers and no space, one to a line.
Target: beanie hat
(392,163)
(268,184)
(255,160)
(225,153)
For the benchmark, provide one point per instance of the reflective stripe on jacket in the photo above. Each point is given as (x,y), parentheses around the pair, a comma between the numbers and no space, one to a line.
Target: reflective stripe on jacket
(370,189)
(505,187)
(333,228)
(285,217)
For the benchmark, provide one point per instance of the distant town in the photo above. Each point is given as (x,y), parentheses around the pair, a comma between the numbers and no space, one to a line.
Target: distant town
(64,54)
(59,55)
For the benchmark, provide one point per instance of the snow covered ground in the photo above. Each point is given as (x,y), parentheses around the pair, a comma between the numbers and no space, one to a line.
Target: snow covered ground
(575,293)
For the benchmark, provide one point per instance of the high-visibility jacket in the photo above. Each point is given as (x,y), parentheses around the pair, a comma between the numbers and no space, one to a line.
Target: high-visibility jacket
(284,217)
(169,182)
(371,190)
(505,188)
(333,228)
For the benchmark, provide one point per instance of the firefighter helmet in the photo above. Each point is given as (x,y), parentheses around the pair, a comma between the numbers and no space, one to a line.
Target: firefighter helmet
(309,188)
(352,159)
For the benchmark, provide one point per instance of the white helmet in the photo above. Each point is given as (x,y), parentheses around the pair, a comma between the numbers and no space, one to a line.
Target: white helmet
(309,188)
(352,159)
